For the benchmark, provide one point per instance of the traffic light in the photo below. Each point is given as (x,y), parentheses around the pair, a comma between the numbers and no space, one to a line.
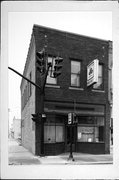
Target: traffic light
(41,61)
(44,117)
(35,117)
(69,118)
(57,66)
(74,117)
(38,117)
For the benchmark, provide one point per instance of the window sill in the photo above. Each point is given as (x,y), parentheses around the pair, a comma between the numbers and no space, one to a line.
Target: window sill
(96,90)
(76,88)
(52,86)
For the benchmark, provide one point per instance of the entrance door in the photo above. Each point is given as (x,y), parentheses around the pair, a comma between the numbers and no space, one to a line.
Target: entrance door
(71,132)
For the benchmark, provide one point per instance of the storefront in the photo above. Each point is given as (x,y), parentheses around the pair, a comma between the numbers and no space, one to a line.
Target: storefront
(88,134)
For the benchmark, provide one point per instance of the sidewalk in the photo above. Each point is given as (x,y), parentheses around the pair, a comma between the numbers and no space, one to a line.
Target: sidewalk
(18,155)
(79,159)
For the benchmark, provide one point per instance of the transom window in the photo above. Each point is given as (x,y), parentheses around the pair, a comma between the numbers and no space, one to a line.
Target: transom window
(51,80)
(99,84)
(75,73)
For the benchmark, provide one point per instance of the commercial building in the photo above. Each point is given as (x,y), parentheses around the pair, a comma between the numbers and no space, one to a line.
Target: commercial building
(66,94)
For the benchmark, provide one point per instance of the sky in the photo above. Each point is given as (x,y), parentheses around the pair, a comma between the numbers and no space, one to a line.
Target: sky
(20,24)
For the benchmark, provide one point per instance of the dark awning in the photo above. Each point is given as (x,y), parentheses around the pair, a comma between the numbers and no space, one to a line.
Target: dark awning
(80,112)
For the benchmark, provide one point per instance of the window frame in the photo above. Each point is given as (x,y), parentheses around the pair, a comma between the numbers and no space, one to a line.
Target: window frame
(55,140)
(50,69)
(78,75)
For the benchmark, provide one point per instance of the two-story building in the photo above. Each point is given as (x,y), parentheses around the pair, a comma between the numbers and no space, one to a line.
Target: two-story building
(67,93)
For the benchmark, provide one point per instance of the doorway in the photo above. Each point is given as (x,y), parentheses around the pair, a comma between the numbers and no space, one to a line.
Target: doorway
(71,134)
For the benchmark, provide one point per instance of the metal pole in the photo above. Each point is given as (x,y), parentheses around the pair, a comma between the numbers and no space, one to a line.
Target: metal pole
(71,155)
(24,77)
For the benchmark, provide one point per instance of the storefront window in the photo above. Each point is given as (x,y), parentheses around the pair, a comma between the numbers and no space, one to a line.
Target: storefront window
(54,129)
(49,134)
(53,133)
(59,134)
(90,129)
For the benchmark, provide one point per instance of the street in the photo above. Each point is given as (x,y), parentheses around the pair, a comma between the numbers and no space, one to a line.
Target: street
(18,155)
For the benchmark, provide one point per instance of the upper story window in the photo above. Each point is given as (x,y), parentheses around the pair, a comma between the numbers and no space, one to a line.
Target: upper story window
(75,73)
(51,80)
(99,84)
(27,92)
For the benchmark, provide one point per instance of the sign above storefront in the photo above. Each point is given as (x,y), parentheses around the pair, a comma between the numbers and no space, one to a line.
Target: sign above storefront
(92,72)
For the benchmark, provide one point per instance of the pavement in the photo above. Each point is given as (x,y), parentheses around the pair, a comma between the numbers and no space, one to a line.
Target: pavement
(18,155)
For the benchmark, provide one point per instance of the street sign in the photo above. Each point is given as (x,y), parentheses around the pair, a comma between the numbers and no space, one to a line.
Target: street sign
(92,72)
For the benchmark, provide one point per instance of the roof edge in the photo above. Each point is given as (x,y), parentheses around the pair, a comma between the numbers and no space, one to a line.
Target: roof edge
(76,34)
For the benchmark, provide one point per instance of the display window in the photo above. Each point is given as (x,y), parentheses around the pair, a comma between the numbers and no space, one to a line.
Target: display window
(54,131)
(90,129)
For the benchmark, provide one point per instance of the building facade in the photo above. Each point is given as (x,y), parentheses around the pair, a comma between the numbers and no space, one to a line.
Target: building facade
(16,128)
(65,94)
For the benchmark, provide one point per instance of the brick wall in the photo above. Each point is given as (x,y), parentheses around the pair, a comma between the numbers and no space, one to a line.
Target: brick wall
(28,129)
(70,47)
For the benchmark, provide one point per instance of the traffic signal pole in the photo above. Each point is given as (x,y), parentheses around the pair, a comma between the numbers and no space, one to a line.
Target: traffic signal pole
(71,123)
(42,97)
(71,138)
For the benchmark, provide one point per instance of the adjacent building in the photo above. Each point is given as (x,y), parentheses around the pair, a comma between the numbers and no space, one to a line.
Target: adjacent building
(16,128)
(67,93)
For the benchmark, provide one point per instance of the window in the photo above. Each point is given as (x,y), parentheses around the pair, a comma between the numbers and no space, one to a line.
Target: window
(99,84)
(75,73)
(30,86)
(33,125)
(51,80)
(59,133)
(22,123)
(49,134)
(90,129)
(53,133)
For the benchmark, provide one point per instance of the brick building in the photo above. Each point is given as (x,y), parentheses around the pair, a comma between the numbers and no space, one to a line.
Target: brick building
(67,93)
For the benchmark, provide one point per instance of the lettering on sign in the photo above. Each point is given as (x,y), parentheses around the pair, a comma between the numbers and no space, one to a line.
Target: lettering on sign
(86,130)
